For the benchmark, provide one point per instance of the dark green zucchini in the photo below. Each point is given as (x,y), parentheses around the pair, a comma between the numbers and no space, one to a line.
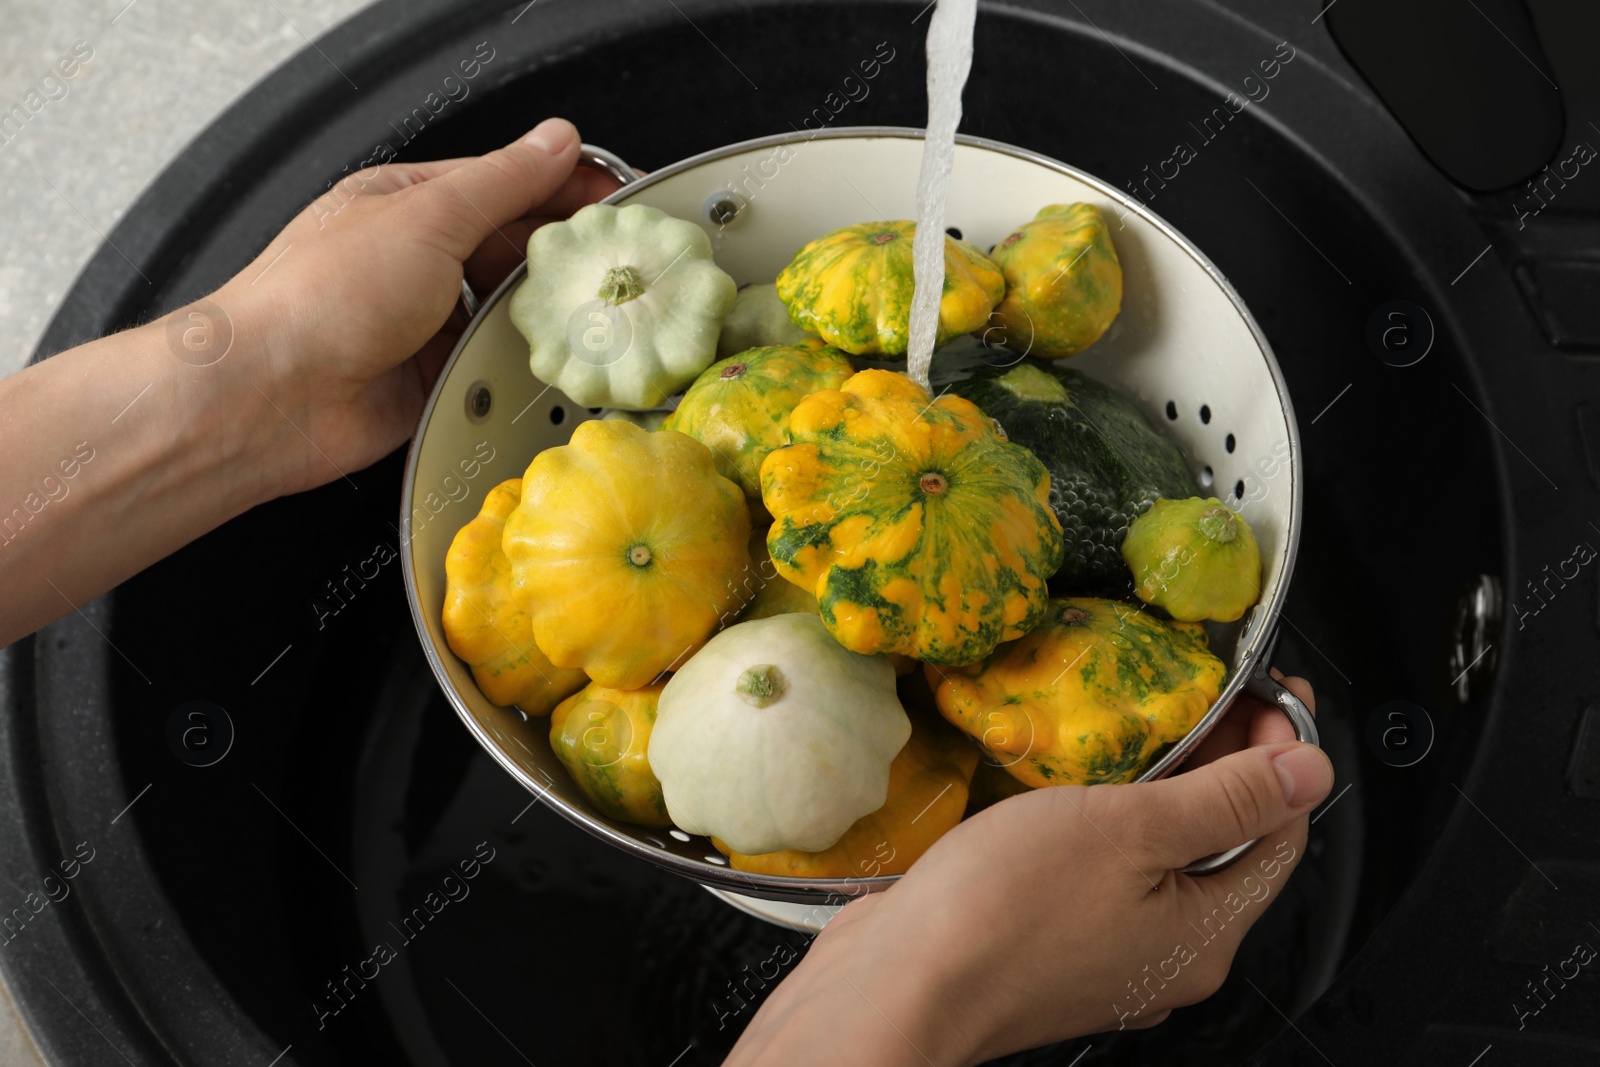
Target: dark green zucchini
(1107,464)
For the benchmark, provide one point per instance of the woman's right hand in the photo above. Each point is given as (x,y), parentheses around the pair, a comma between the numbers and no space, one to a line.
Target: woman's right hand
(1057,913)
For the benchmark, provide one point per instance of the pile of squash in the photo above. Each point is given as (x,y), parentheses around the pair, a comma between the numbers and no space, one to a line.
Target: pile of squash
(816,613)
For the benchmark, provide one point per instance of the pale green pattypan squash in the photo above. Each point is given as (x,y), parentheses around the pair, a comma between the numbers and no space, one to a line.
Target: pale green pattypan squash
(775,736)
(758,319)
(645,420)
(621,307)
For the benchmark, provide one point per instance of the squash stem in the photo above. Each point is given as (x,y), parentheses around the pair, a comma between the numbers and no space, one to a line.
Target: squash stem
(761,685)
(620,285)
(1219,524)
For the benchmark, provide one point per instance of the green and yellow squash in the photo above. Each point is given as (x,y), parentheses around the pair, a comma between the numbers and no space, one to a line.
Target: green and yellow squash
(1063,282)
(853,287)
(601,736)
(1087,697)
(1197,558)
(916,527)
(739,407)
(768,593)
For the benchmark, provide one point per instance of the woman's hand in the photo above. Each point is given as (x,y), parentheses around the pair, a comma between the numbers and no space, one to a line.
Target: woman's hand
(311,364)
(1056,913)
(353,301)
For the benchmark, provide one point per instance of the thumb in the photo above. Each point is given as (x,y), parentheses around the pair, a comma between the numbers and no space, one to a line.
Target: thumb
(1231,800)
(466,204)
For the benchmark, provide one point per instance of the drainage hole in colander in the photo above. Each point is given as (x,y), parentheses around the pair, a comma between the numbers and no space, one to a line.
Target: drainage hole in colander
(1238,490)
(679,834)
(1205,477)
(1205,414)
(953,231)
(596,411)
(1229,443)
(1172,410)
(558,415)
(718,860)
(656,841)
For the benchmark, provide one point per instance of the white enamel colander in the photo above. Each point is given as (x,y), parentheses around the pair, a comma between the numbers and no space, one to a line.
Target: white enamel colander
(1184,347)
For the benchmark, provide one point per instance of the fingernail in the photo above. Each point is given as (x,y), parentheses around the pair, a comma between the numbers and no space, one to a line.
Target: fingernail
(552,136)
(1304,773)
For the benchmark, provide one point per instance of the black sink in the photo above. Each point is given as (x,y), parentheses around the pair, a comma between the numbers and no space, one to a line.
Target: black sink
(221,920)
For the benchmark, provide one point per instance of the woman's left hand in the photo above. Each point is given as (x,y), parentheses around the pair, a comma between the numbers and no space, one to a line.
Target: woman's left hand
(312,363)
(352,303)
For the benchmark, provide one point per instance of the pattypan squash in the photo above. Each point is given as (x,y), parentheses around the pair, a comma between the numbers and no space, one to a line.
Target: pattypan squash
(768,593)
(1107,463)
(1087,697)
(773,736)
(621,306)
(739,407)
(918,529)
(601,735)
(854,288)
(1196,558)
(487,626)
(758,319)
(1063,282)
(626,547)
(645,420)
(928,783)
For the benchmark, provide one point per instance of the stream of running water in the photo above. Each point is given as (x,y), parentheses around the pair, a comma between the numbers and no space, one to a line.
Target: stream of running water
(949,61)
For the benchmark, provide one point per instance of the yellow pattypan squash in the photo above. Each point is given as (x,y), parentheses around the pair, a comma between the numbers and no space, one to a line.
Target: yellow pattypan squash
(627,548)
(489,628)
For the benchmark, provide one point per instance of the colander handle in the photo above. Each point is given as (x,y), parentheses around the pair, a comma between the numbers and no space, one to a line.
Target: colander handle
(1267,689)
(588,156)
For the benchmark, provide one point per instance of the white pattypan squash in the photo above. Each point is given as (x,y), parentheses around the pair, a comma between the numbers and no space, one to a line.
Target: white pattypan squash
(645,420)
(758,319)
(621,306)
(775,736)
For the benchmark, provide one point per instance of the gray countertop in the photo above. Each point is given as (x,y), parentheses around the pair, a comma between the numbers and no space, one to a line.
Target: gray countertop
(75,151)
(85,146)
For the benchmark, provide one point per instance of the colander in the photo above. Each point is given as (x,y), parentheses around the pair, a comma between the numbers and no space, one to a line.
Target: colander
(1184,347)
